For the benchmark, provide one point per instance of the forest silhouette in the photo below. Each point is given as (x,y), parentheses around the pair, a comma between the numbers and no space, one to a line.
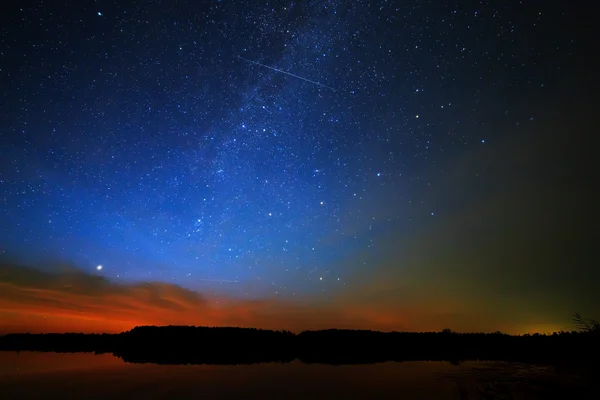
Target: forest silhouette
(231,345)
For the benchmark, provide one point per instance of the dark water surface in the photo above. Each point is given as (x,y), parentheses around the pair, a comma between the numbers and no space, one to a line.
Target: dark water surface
(29,375)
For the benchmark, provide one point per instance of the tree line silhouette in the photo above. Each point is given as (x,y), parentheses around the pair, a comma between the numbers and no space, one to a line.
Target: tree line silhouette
(229,345)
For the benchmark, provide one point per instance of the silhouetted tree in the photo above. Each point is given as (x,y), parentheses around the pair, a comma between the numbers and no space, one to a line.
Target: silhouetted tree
(229,345)
(586,324)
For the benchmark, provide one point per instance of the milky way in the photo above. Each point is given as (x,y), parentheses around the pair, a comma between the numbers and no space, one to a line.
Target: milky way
(201,143)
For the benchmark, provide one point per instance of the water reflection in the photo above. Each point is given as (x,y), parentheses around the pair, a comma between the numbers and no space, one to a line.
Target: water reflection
(89,376)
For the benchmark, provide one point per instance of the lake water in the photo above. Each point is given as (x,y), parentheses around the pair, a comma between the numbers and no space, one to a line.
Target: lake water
(28,375)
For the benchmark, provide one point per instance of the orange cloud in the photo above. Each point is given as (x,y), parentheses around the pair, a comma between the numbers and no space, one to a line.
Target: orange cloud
(36,301)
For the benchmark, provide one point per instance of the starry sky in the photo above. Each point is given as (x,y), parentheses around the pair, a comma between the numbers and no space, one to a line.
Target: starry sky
(296,164)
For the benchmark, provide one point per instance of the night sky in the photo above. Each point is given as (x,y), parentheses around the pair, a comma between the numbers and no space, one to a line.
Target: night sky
(310,164)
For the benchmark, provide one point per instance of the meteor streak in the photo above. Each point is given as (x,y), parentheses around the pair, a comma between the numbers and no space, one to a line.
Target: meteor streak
(218,280)
(287,73)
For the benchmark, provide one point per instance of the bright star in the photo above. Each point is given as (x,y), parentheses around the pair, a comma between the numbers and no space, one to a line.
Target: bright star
(99,267)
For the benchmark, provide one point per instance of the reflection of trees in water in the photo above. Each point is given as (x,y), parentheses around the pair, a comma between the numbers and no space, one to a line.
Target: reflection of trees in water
(512,381)
(492,390)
